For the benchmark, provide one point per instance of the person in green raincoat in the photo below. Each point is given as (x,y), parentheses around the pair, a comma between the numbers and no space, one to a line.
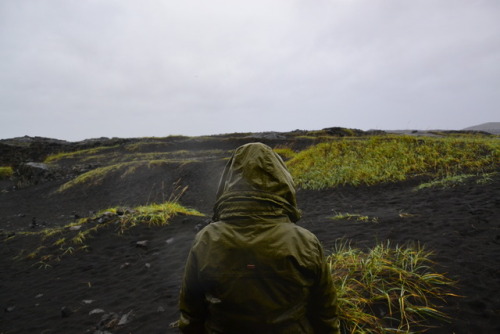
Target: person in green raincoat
(253,270)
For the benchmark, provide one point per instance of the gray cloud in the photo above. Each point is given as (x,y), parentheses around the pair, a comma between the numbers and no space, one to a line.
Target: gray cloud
(80,69)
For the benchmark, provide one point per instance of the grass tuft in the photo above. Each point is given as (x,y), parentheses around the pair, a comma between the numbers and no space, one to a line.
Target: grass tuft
(387,289)
(55,243)
(355,217)
(6,172)
(155,214)
(457,180)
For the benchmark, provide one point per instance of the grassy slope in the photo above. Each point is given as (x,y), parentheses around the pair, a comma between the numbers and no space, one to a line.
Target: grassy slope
(392,158)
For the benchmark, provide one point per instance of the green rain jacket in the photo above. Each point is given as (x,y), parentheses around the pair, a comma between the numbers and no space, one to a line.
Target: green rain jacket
(253,270)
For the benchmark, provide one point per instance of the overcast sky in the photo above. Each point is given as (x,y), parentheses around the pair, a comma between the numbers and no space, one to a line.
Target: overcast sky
(77,69)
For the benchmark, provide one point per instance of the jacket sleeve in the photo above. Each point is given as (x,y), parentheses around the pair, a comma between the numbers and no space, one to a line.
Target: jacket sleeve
(192,300)
(323,311)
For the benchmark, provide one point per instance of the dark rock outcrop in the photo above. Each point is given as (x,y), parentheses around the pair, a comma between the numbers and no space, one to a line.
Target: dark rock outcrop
(31,173)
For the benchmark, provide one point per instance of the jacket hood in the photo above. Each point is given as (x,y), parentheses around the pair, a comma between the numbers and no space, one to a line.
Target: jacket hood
(256,182)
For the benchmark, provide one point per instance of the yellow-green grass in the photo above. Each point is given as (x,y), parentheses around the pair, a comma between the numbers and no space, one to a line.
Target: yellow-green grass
(381,159)
(387,289)
(355,217)
(456,180)
(6,172)
(182,155)
(114,155)
(156,145)
(80,153)
(285,152)
(55,243)
(153,214)
(119,157)
(121,170)
(97,176)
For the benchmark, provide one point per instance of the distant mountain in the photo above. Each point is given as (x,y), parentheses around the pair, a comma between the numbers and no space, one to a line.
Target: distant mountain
(491,127)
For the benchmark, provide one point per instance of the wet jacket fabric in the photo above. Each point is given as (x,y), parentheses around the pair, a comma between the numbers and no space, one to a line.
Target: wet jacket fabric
(253,270)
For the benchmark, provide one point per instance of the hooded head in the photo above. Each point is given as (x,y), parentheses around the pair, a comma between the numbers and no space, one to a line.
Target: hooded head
(256,182)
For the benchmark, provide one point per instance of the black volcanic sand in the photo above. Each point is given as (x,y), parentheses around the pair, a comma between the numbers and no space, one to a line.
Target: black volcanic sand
(140,285)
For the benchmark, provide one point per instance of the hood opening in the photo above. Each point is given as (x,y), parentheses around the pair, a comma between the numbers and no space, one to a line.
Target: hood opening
(256,181)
